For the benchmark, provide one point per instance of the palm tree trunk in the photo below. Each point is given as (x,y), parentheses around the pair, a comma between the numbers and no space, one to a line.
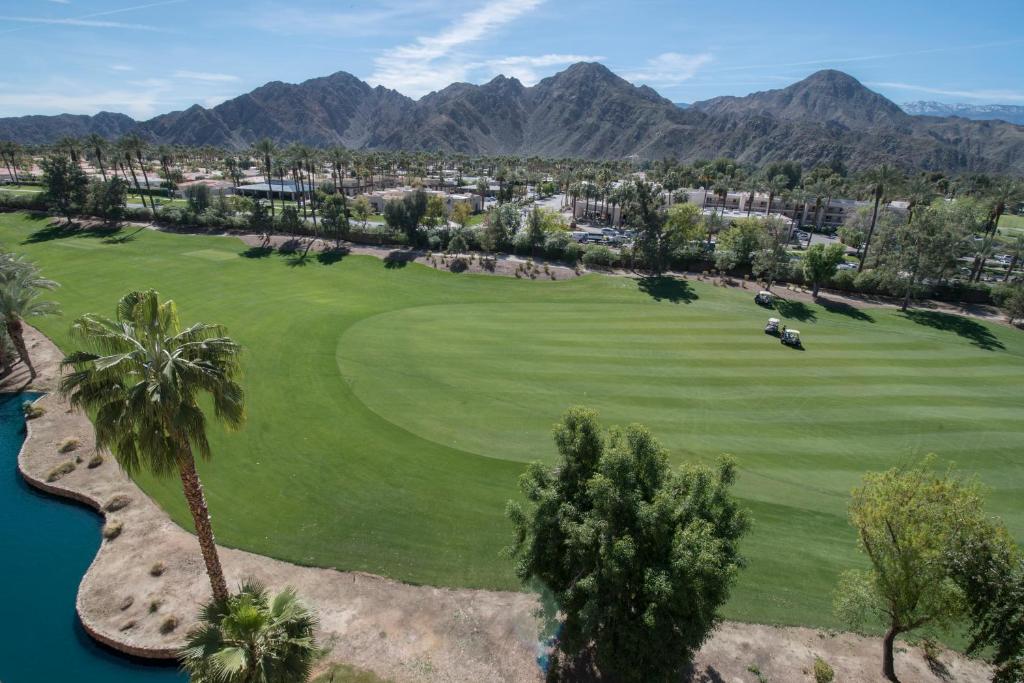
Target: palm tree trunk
(145,177)
(5,362)
(193,488)
(1009,270)
(888,663)
(16,332)
(138,188)
(871,231)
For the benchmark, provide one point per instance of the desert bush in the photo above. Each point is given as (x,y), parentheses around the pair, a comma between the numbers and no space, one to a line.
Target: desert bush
(458,265)
(60,470)
(823,673)
(158,569)
(118,502)
(127,602)
(32,410)
(756,670)
(95,461)
(155,605)
(599,256)
(112,529)
(128,625)
(168,625)
(69,445)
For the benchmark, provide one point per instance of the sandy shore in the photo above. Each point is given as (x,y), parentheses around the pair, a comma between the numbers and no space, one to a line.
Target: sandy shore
(399,631)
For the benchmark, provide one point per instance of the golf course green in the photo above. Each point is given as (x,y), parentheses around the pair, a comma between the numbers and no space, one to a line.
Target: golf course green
(392,407)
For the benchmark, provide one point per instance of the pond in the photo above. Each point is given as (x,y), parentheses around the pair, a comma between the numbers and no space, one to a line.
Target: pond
(47,544)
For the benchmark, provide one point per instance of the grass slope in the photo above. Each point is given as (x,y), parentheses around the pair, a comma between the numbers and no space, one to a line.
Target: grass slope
(391,409)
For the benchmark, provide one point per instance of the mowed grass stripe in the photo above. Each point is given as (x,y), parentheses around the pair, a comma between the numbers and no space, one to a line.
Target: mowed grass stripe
(374,392)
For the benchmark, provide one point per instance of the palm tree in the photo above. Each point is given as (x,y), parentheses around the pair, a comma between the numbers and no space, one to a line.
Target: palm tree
(9,152)
(126,148)
(98,146)
(20,288)
(265,150)
(1018,250)
(1006,191)
(878,180)
(252,637)
(919,191)
(141,375)
(775,187)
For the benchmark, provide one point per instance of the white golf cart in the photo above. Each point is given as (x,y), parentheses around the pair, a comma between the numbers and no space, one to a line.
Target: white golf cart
(772,327)
(764,298)
(791,338)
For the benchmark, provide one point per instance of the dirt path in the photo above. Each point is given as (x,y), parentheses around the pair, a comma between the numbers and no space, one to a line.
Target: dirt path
(401,632)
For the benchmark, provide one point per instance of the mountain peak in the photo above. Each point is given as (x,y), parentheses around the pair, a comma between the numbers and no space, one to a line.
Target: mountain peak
(826,96)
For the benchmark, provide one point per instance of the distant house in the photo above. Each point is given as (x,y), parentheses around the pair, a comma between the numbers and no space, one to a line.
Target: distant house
(380,198)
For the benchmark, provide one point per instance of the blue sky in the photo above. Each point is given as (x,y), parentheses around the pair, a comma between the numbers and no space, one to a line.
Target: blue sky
(146,58)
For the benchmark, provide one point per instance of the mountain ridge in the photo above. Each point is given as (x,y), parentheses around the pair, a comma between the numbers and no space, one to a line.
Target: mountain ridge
(584,111)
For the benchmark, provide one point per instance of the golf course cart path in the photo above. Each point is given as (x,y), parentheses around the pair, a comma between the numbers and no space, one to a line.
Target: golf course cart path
(142,591)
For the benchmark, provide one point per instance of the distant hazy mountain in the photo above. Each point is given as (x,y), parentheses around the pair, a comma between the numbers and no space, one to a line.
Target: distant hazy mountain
(683,105)
(979,112)
(583,111)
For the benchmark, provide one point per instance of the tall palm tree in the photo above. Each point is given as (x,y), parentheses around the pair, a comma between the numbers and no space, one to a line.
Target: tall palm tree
(775,186)
(1006,192)
(141,375)
(126,148)
(878,181)
(919,191)
(1018,251)
(21,285)
(252,637)
(10,151)
(98,146)
(265,150)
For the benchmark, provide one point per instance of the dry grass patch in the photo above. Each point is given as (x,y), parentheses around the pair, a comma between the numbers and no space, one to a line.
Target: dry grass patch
(60,470)
(112,530)
(118,502)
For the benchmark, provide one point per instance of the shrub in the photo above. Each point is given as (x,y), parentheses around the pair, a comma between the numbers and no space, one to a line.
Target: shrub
(128,625)
(69,445)
(823,673)
(112,529)
(168,625)
(158,569)
(556,243)
(844,280)
(931,649)
(118,502)
(127,602)
(32,410)
(154,605)
(95,461)
(572,252)
(756,670)
(60,470)
(599,256)
(458,265)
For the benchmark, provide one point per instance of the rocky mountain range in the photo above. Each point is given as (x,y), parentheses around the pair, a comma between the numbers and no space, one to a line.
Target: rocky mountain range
(584,111)
(980,112)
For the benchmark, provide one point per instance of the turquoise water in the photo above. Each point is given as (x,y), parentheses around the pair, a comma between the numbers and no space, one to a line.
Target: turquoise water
(46,545)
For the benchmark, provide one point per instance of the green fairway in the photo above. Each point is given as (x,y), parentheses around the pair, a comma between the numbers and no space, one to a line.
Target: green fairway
(391,409)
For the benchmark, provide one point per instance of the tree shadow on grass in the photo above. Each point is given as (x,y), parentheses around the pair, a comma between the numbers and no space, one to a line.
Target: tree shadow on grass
(332,255)
(797,310)
(844,309)
(298,260)
(60,231)
(399,259)
(978,334)
(665,288)
(122,238)
(257,252)
(289,247)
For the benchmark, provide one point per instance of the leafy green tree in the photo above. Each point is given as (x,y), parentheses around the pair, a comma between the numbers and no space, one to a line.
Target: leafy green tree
(21,285)
(67,188)
(107,199)
(907,519)
(289,221)
(361,209)
(260,218)
(910,253)
(436,213)
(820,264)
(252,637)
(683,225)
(639,557)
(141,376)
(198,197)
(502,224)
(642,209)
(334,214)
(535,233)
(1011,302)
(461,213)
(989,568)
(771,260)
(737,243)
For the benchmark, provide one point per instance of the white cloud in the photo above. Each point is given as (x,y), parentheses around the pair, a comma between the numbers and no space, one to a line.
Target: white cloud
(989,96)
(138,103)
(669,68)
(85,23)
(428,63)
(205,76)
(525,68)
(122,67)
